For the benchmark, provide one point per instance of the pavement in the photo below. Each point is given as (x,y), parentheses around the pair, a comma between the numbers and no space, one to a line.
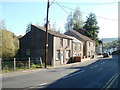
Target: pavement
(84,62)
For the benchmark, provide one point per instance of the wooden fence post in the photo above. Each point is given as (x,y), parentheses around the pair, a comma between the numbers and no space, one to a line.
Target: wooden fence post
(29,62)
(14,64)
(41,62)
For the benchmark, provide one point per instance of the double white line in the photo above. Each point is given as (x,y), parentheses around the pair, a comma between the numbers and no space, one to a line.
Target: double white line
(111,81)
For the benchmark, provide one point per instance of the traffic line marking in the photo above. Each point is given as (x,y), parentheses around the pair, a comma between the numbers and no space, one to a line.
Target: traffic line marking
(74,74)
(102,63)
(43,84)
(37,86)
(94,66)
(100,68)
(111,81)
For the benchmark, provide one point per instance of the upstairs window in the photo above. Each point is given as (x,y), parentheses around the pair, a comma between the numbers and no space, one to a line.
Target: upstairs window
(61,41)
(89,44)
(75,46)
(68,42)
(80,47)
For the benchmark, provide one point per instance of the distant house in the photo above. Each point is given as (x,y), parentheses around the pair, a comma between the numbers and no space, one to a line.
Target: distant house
(33,45)
(99,48)
(77,47)
(88,44)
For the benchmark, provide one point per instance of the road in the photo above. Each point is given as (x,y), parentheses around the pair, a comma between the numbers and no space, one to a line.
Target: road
(102,73)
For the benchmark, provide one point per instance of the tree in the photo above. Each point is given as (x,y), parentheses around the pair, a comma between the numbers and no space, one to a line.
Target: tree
(28,28)
(9,42)
(54,26)
(77,19)
(69,24)
(2,24)
(59,30)
(91,28)
(8,48)
(74,21)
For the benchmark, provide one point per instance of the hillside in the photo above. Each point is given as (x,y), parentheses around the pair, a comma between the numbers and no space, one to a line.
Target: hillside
(113,44)
(109,40)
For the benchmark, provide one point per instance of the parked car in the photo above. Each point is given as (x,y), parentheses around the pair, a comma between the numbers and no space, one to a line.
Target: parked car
(106,55)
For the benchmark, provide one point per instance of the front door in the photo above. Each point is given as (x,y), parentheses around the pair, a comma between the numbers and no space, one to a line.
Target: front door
(62,57)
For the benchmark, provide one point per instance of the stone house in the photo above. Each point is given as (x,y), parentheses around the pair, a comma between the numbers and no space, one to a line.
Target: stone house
(99,48)
(88,44)
(77,47)
(32,44)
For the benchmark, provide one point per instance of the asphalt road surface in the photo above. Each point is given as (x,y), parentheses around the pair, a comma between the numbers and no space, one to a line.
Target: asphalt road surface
(103,73)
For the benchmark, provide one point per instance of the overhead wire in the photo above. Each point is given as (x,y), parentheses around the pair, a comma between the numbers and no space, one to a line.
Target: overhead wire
(52,3)
(62,6)
(90,3)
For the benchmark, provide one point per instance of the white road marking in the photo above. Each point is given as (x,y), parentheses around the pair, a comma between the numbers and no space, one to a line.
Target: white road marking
(111,80)
(100,68)
(74,74)
(43,84)
(93,66)
(96,66)
(39,85)
(102,63)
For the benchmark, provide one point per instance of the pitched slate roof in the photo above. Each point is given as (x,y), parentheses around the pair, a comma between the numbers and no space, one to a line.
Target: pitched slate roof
(75,39)
(78,35)
(54,33)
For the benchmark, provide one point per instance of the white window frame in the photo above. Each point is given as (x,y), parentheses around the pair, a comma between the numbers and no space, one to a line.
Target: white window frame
(61,41)
(67,54)
(57,55)
(27,51)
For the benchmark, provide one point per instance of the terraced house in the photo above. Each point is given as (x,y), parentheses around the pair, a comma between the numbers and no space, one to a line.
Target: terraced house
(32,44)
(77,47)
(88,44)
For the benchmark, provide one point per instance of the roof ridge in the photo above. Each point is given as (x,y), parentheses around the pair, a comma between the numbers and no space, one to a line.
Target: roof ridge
(55,33)
(81,36)
(86,36)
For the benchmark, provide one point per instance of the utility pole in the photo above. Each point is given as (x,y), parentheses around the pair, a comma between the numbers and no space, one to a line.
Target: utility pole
(102,46)
(46,44)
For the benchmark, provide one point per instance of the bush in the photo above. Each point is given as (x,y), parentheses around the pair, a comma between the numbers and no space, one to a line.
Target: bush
(71,60)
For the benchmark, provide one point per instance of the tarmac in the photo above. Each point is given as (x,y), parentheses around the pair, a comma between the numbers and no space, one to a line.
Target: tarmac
(84,62)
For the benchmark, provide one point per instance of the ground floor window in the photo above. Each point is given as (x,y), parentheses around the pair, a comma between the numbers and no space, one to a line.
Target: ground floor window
(89,54)
(58,55)
(27,51)
(67,54)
